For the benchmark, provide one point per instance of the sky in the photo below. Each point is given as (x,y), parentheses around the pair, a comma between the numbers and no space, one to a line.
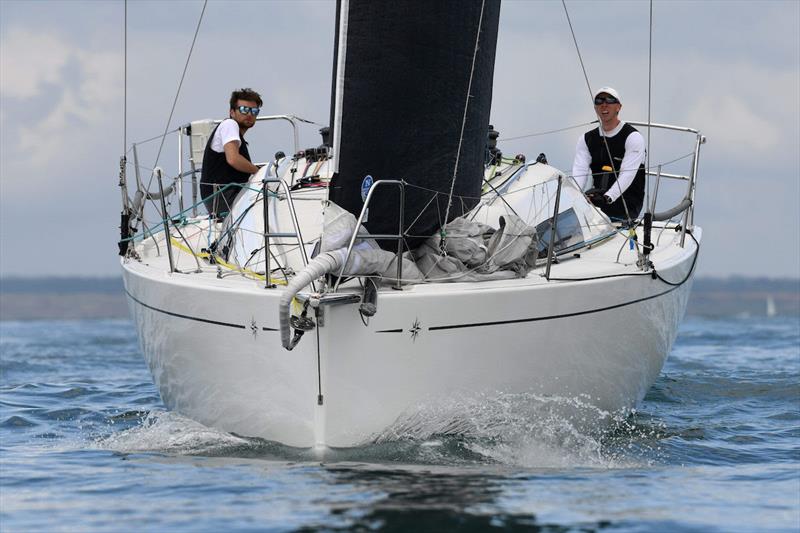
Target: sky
(730,69)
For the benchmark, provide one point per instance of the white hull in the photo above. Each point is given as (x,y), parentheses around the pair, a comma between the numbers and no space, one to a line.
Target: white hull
(214,349)
(478,317)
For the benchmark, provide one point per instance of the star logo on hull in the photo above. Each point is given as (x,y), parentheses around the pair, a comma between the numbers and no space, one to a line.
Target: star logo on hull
(415,330)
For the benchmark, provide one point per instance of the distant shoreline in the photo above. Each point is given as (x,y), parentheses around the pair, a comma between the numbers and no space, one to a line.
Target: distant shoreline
(56,298)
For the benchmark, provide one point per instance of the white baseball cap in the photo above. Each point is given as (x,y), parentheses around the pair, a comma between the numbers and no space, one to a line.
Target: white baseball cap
(609,91)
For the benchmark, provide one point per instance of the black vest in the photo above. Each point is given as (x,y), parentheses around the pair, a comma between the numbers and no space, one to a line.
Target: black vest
(604,180)
(216,169)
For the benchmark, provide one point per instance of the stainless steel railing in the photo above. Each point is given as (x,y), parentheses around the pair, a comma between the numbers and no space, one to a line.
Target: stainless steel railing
(399,237)
(686,205)
(176,187)
(268,234)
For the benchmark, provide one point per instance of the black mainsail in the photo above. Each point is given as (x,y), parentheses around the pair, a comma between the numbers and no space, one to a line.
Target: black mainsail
(403,71)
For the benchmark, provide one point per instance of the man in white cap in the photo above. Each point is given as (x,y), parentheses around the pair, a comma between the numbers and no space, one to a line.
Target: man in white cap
(609,160)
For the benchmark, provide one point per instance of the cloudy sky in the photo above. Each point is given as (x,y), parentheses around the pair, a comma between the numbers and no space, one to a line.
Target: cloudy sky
(728,68)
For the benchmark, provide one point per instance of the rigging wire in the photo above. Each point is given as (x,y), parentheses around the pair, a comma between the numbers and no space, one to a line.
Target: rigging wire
(576,126)
(600,127)
(649,94)
(180,84)
(577,48)
(125,78)
(155,137)
(466,108)
(684,156)
(307,121)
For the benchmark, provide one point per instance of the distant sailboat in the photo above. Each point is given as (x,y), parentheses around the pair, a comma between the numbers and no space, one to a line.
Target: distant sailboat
(771,309)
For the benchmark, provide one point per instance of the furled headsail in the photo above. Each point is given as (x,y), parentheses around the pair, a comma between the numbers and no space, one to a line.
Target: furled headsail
(405,74)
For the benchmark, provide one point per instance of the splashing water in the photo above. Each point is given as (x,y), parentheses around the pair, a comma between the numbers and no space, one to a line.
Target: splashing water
(529,430)
(524,430)
(172,433)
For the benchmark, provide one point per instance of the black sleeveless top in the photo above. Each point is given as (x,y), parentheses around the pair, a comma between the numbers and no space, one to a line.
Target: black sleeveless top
(216,169)
(604,179)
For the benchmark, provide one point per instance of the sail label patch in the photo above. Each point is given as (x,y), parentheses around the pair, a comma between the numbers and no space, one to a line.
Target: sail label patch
(366,184)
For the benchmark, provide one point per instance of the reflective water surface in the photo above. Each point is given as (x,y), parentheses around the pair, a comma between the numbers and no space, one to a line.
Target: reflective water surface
(86,444)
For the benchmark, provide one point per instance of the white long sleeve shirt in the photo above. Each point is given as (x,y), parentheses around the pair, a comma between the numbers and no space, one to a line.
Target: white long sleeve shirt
(634,157)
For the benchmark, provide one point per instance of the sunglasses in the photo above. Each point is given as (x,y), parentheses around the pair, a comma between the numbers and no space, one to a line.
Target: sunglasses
(245,110)
(608,100)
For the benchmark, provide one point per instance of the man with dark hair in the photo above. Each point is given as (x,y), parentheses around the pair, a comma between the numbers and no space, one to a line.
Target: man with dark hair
(612,155)
(226,159)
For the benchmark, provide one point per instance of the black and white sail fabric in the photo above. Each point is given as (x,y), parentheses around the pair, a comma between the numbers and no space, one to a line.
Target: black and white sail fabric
(408,78)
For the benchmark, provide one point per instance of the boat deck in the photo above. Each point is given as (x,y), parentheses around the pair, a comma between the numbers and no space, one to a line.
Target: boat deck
(611,257)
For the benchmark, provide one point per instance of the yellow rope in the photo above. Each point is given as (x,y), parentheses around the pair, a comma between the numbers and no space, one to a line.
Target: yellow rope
(490,178)
(221,262)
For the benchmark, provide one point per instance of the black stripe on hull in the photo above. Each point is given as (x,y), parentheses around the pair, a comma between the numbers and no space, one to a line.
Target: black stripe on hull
(187,317)
(551,317)
(432,328)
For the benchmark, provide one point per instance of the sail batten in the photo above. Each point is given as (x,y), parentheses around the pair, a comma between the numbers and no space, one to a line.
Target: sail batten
(403,77)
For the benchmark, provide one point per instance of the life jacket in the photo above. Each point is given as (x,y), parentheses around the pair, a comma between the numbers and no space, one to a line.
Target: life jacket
(604,179)
(217,171)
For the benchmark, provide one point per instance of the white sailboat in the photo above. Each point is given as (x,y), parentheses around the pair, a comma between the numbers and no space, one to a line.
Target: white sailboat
(772,310)
(288,322)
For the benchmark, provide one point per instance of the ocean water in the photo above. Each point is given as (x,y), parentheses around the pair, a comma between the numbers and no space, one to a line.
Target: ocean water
(86,445)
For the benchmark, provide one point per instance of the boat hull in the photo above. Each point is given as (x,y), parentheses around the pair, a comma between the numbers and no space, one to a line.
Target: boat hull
(216,356)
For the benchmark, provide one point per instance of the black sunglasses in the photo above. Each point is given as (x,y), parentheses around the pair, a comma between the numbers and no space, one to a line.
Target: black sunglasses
(608,100)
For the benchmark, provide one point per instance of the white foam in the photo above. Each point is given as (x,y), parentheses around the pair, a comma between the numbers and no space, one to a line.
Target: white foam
(168,432)
(525,430)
